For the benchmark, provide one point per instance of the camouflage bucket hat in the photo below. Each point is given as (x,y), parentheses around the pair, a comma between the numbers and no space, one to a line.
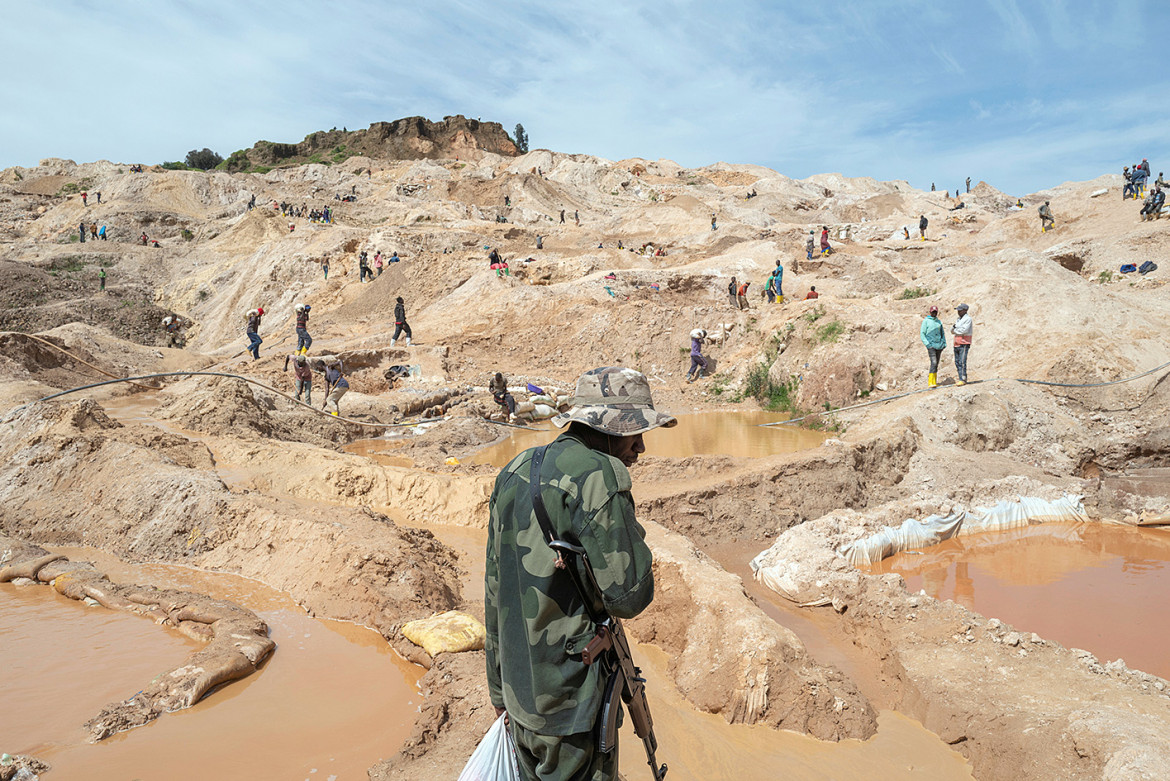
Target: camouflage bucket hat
(614,401)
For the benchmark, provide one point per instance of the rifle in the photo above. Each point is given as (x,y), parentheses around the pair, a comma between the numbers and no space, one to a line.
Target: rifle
(608,647)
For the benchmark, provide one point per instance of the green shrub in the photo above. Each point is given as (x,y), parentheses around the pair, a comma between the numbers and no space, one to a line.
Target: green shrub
(203,159)
(260,169)
(237,161)
(1104,277)
(914,292)
(186,234)
(69,263)
(69,188)
(830,332)
(814,314)
(174,165)
(773,396)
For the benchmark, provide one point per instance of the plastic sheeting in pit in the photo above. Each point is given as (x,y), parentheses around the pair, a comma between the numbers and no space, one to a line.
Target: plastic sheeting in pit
(936,528)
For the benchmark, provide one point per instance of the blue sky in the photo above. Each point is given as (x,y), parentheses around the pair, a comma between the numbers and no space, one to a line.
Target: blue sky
(1023,94)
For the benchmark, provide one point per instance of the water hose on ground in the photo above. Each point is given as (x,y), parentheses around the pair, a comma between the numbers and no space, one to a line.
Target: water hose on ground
(65,352)
(993,379)
(232,376)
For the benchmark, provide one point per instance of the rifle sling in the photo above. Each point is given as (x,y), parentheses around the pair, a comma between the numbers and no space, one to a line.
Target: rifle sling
(550,536)
(537,499)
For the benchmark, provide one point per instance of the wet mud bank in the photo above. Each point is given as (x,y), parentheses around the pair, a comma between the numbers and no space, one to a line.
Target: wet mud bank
(236,640)
(1094,586)
(286,721)
(1002,694)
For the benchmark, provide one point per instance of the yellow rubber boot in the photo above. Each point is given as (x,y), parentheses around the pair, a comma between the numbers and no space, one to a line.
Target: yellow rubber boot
(932,380)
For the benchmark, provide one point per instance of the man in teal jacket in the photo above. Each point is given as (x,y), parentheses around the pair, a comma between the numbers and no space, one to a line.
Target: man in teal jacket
(935,340)
(536,623)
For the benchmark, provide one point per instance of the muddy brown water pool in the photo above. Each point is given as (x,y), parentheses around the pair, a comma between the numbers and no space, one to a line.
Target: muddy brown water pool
(1097,586)
(332,700)
(703,746)
(737,433)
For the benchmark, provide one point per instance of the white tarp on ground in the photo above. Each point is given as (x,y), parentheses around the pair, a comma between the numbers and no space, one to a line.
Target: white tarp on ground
(936,528)
(804,566)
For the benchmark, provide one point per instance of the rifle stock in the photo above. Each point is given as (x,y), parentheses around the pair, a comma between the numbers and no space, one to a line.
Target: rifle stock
(625,683)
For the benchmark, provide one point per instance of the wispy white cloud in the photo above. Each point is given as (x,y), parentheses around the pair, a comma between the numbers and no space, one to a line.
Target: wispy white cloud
(948,61)
(855,87)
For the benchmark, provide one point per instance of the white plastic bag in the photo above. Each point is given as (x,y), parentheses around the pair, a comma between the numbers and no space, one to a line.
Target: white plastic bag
(494,758)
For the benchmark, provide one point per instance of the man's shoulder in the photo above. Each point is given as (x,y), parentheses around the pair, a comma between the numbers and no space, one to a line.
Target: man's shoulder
(587,467)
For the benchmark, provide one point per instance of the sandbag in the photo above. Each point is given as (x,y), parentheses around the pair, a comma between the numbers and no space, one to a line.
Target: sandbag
(524,407)
(494,759)
(449,632)
(543,412)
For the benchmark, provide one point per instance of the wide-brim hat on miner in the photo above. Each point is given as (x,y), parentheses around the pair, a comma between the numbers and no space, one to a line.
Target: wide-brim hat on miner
(614,401)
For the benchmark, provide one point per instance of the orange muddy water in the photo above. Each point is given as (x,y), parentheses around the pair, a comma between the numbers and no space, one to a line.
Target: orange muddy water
(377,451)
(62,661)
(702,746)
(331,701)
(705,433)
(1097,586)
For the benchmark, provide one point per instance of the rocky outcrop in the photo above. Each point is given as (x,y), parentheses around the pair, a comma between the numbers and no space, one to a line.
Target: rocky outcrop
(412,138)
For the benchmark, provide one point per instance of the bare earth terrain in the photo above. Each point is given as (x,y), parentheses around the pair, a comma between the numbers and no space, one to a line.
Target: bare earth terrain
(223,475)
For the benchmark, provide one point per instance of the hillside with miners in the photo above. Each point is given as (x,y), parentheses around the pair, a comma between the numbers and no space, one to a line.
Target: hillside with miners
(798,627)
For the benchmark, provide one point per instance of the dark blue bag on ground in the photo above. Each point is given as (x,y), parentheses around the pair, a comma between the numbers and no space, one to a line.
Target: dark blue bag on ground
(1147,267)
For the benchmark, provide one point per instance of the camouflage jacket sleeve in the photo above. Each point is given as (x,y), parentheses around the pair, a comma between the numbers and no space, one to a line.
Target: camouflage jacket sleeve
(536,622)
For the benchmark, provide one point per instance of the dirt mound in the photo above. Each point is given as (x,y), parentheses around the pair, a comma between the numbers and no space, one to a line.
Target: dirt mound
(223,406)
(873,283)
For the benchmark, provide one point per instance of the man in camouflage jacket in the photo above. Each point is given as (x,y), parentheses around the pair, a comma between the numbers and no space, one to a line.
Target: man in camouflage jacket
(536,623)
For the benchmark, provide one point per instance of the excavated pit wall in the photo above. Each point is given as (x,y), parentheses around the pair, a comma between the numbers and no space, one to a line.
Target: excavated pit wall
(358,565)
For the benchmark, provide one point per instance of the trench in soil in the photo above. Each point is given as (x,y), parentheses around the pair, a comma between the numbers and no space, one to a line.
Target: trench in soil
(332,700)
(1096,586)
